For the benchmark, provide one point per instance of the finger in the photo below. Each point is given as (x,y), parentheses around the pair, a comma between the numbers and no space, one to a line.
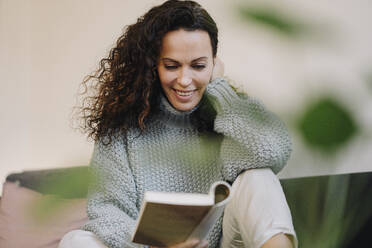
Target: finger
(203,244)
(188,244)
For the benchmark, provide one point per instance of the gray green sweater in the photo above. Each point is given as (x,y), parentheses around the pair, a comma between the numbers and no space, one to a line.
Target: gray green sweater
(172,156)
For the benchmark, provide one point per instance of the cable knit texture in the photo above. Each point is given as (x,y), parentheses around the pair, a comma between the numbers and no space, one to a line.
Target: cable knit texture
(171,155)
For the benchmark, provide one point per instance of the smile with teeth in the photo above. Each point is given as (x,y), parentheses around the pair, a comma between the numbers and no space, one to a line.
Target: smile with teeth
(184,93)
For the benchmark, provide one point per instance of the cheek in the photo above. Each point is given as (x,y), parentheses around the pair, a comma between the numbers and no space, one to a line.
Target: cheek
(205,76)
(165,78)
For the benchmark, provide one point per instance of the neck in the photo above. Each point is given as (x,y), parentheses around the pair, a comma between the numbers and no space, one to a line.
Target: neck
(172,116)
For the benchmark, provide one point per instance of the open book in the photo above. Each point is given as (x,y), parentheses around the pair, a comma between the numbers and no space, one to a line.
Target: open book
(167,219)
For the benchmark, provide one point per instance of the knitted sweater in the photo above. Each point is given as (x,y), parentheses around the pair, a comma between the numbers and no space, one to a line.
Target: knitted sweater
(172,156)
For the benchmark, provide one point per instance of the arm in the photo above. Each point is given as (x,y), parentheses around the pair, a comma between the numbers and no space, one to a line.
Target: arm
(112,197)
(253,136)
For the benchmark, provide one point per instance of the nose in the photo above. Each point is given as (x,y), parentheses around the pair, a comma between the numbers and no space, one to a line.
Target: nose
(184,78)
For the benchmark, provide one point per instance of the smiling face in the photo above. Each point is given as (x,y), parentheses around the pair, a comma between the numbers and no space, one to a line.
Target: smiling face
(185,67)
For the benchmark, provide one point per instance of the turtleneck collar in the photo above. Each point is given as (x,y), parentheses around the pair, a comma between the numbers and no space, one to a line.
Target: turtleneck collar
(171,116)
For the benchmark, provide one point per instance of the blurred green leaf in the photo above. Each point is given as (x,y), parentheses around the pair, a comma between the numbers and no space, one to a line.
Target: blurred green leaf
(326,125)
(44,208)
(69,183)
(273,19)
(56,187)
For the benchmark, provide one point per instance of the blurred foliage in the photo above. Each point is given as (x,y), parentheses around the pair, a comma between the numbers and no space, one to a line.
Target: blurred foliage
(57,185)
(326,125)
(330,211)
(45,208)
(273,19)
(69,183)
(207,152)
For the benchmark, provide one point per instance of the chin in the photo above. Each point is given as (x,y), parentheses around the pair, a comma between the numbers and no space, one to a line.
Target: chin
(184,106)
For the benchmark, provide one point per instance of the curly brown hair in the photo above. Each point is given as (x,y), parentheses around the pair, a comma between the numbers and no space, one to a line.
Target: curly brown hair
(126,85)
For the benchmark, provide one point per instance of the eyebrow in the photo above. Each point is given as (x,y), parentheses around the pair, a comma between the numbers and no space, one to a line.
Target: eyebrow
(204,57)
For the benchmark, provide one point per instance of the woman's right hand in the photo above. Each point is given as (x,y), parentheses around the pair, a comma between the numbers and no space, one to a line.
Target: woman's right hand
(193,243)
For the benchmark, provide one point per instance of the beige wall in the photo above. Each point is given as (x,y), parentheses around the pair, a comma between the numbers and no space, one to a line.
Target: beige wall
(48,46)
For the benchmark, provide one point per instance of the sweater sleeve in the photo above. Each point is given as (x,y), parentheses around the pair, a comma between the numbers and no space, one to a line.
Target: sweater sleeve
(253,136)
(111,203)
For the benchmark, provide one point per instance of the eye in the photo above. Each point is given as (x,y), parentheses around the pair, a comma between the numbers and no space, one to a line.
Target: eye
(170,67)
(198,67)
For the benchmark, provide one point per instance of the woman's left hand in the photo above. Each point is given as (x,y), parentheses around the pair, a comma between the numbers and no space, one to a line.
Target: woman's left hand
(189,244)
(218,68)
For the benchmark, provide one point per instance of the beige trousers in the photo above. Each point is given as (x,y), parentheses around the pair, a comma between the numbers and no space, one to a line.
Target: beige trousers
(257,211)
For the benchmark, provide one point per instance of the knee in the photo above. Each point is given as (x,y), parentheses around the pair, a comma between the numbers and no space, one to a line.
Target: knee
(259,197)
(280,240)
(80,239)
(255,182)
(71,239)
(258,177)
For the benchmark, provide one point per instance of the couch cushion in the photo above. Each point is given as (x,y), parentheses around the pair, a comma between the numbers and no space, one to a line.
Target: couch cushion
(30,219)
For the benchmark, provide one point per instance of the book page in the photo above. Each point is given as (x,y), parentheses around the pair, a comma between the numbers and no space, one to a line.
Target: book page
(222,194)
(193,199)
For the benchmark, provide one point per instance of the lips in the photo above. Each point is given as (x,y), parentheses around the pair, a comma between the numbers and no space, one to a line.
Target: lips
(183,95)
(184,92)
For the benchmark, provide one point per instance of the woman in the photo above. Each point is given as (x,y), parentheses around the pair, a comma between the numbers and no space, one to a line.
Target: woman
(164,119)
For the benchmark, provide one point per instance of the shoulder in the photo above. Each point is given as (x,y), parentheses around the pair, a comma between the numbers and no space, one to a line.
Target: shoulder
(110,146)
